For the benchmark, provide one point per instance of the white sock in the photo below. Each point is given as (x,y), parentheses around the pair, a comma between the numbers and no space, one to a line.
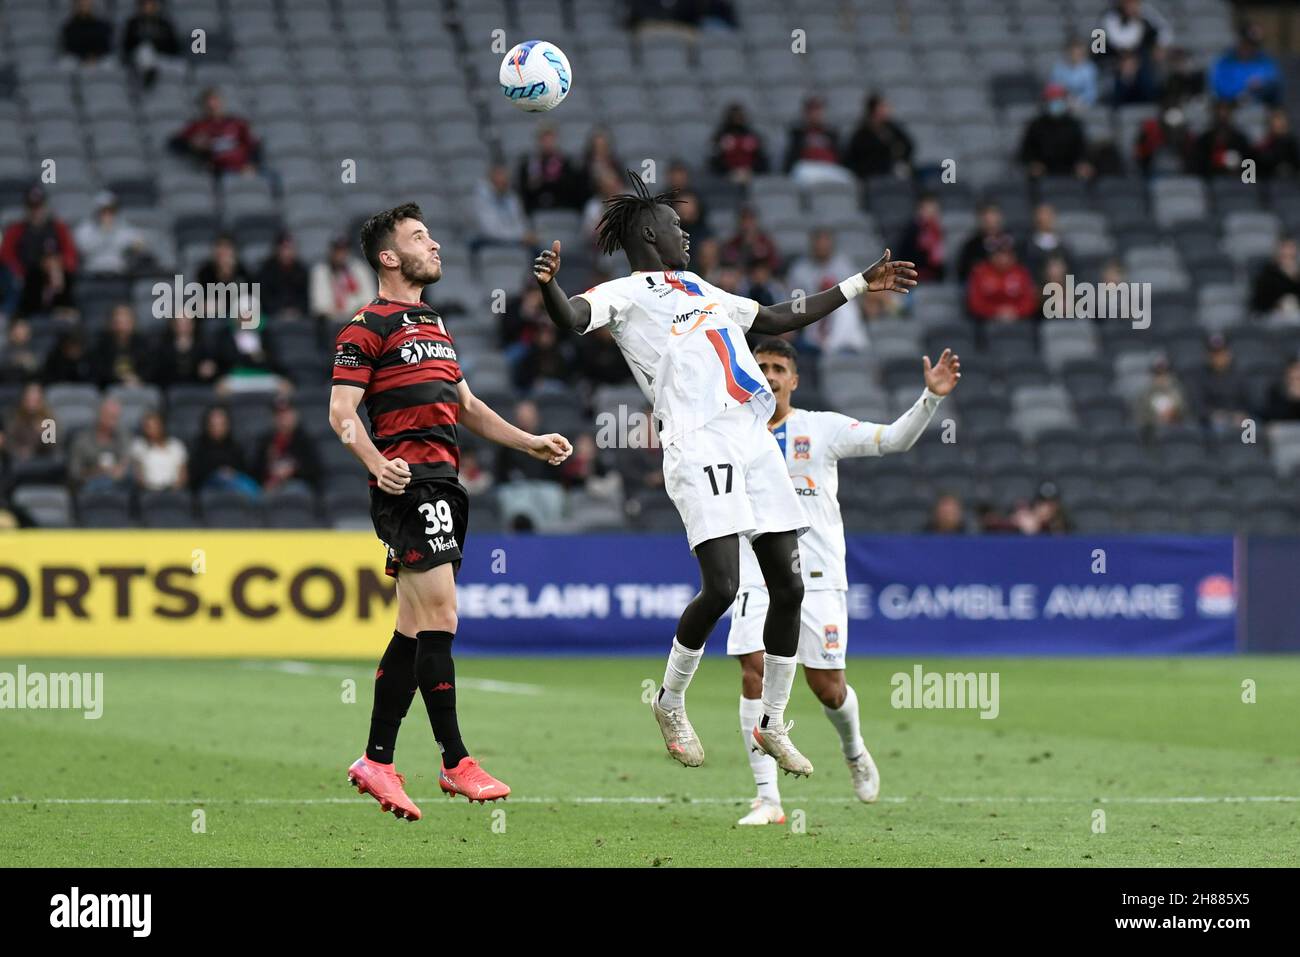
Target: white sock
(763,765)
(845,719)
(778,679)
(682,662)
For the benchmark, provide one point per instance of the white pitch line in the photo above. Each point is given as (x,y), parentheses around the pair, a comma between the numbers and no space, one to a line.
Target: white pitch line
(632,799)
(311,669)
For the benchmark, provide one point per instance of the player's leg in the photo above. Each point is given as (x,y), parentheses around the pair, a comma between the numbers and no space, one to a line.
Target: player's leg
(745,644)
(719,561)
(778,557)
(823,646)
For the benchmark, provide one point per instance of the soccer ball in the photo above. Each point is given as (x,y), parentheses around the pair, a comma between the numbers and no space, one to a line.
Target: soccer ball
(535,76)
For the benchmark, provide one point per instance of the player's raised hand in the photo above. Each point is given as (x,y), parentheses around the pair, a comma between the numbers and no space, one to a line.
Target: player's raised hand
(890,275)
(394,476)
(551,448)
(547,264)
(941,378)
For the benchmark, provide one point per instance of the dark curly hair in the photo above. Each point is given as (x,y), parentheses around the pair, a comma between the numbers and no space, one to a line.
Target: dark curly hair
(623,214)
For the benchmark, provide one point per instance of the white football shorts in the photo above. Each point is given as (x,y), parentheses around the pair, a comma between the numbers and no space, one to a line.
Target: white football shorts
(823,626)
(728,477)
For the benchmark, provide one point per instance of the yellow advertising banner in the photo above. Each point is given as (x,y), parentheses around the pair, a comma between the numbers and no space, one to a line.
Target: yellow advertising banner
(194,593)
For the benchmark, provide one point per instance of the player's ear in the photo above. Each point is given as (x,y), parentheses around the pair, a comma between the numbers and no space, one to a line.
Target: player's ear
(389,258)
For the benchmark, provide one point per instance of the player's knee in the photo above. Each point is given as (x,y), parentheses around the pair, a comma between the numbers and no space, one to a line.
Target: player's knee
(786,592)
(719,590)
(828,687)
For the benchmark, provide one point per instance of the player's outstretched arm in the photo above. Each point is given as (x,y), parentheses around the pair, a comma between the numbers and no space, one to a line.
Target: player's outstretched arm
(480,419)
(901,434)
(884,275)
(393,475)
(571,315)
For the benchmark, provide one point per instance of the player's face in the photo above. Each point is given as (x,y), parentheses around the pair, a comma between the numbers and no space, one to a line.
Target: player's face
(417,252)
(779,371)
(671,241)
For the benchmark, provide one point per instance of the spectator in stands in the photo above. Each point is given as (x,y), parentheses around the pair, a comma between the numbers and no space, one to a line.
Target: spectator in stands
(1283,401)
(516,466)
(610,184)
(282,281)
(39,252)
(1245,72)
(7,520)
(122,357)
(1220,149)
(1277,153)
(31,427)
(842,330)
(760,285)
(68,361)
(1165,146)
(1276,287)
(750,242)
(546,359)
(738,152)
(87,37)
(812,152)
(1076,73)
(598,158)
(1054,143)
(499,213)
(1132,80)
(879,146)
(706,258)
(691,210)
(1163,402)
(1184,77)
(473,476)
(158,460)
(1045,515)
(1221,399)
(150,44)
(1001,289)
(922,241)
(341,284)
(100,457)
(1045,239)
(183,356)
(599,360)
(217,460)
(108,245)
(948,516)
(286,453)
(990,230)
(1131,27)
(19,361)
(221,269)
(1052,269)
(523,316)
(547,178)
(246,355)
(222,142)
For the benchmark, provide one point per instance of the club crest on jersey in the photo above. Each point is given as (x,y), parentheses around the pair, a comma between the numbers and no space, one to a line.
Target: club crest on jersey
(417,351)
(831,637)
(802,447)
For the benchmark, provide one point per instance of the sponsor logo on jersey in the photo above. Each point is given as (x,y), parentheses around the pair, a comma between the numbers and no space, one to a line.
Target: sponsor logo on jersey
(802,447)
(348,356)
(695,317)
(419,350)
(677,281)
(804,485)
(442,544)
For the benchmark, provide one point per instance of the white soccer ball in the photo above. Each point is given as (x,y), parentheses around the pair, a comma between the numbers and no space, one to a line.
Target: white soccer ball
(535,76)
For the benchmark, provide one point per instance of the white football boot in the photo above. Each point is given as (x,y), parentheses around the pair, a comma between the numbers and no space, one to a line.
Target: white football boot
(679,736)
(775,740)
(866,779)
(763,812)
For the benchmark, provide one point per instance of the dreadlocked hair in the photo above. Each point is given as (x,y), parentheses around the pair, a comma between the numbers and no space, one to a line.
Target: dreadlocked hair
(623,212)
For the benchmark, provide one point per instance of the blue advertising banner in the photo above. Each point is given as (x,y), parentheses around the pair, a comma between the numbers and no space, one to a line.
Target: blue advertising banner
(622,594)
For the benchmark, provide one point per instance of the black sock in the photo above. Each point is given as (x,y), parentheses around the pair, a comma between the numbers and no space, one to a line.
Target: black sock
(437,678)
(394,692)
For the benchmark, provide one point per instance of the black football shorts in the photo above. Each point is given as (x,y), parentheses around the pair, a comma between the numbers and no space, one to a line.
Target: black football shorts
(424,526)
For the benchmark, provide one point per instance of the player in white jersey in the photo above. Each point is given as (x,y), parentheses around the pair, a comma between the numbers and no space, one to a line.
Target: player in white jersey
(812,444)
(684,341)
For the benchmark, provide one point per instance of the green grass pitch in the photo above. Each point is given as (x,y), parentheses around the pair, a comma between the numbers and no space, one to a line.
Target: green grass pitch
(1185,771)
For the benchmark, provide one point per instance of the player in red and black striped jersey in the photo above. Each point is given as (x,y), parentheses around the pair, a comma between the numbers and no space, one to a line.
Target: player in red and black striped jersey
(397,356)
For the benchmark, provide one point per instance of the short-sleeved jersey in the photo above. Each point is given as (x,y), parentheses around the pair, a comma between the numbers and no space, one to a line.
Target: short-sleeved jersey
(402,356)
(684,341)
(813,443)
